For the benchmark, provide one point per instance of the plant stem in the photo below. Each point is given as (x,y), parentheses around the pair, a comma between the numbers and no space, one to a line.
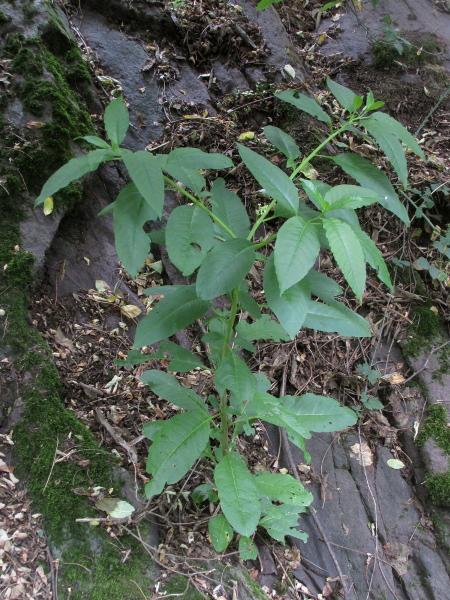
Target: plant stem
(306,160)
(261,219)
(224,421)
(424,216)
(200,204)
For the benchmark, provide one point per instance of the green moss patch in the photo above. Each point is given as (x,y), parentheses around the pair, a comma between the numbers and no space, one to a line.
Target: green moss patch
(426,327)
(417,49)
(436,427)
(438,486)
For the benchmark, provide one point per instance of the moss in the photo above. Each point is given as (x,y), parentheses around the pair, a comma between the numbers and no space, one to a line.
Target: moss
(422,49)
(435,427)
(257,592)
(438,486)
(3,18)
(29,11)
(178,584)
(426,327)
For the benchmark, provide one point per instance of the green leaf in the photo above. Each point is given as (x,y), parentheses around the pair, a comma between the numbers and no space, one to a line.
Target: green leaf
(239,497)
(157,236)
(319,413)
(169,388)
(290,308)
(283,488)
(283,141)
(390,145)
(74,169)
(397,129)
(234,375)
(335,317)
(350,196)
(181,359)
(296,250)
(348,254)
(369,176)
(176,448)
(204,492)
(220,532)
(116,120)
(189,237)
(248,303)
(229,209)
(263,4)
(343,95)
(191,178)
(131,211)
(151,428)
(224,268)
(116,509)
(96,141)
(307,105)
(264,328)
(275,182)
(193,158)
(246,547)
(373,256)
(315,190)
(146,174)
(282,520)
(322,286)
(175,311)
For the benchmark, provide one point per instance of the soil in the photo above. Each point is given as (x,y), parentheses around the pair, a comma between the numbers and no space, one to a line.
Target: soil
(79,309)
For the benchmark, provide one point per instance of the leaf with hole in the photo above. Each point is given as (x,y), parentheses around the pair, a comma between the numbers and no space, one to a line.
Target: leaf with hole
(220,532)
(189,237)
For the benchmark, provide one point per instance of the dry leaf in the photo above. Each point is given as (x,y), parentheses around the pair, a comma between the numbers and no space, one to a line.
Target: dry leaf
(34,124)
(131,311)
(62,340)
(394,378)
(362,453)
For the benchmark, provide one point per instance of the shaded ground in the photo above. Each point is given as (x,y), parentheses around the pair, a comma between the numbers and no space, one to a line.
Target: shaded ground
(87,330)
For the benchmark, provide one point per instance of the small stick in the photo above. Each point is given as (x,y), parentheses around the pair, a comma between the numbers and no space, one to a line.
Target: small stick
(115,436)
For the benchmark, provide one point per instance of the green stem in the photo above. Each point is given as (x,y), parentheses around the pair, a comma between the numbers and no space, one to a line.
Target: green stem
(424,216)
(261,219)
(306,160)
(265,242)
(224,420)
(200,204)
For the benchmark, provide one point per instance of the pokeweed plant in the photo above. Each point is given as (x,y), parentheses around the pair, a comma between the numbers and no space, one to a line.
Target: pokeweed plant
(212,236)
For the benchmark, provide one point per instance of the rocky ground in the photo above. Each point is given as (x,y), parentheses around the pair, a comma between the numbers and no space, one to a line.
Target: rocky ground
(374,528)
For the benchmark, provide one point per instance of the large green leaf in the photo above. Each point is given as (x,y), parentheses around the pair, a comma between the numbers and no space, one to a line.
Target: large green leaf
(283,488)
(169,388)
(335,317)
(280,521)
(319,413)
(175,311)
(74,169)
(350,196)
(348,254)
(229,209)
(399,131)
(224,268)
(238,494)
(146,174)
(181,360)
(193,158)
(343,95)
(283,141)
(234,375)
(296,250)
(131,211)
(290,308)
(322,286)
(307,105)
(369,176)
(390,145)
(176,448)
(220,532)
(191,178)
(264,328)
(275,182)
(373,256)
(116,120)
(189,237)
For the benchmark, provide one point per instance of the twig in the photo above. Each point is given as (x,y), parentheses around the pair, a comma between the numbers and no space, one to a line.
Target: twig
(53,465)
(422,125)
(433,351)
(115,436)
(53,581)
(292,465)
(139,588)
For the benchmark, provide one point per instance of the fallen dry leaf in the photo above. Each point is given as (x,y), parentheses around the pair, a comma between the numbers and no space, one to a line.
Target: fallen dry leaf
(362,453)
